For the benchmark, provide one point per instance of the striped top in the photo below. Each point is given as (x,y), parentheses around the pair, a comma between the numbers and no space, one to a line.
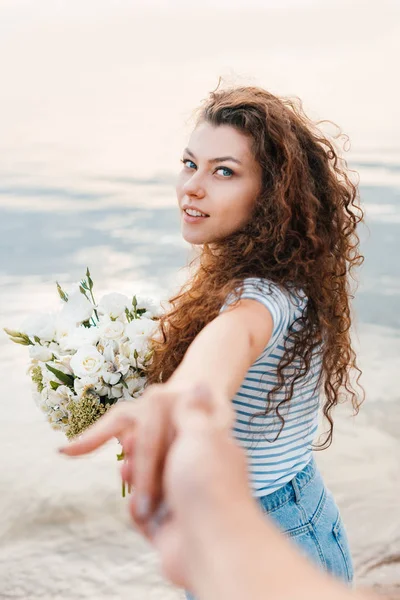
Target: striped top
(274,462)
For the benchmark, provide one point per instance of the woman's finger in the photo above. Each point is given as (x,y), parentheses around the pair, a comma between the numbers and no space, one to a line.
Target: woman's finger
(126,472)
(114,423)
(128,446)
(150,450)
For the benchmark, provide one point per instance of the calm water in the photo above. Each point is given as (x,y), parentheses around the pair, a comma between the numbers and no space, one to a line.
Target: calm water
(128,230)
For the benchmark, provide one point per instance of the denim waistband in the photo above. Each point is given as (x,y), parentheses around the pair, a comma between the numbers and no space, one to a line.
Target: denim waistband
(291,490)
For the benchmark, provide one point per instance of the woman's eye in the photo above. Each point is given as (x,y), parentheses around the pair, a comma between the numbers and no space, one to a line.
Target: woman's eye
(226,172)
(188,163)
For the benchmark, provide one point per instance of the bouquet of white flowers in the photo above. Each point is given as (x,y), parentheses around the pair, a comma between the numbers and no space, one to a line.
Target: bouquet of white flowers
(87,356)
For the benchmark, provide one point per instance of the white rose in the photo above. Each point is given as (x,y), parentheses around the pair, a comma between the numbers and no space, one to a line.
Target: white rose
(87,362)
(111,330)
(78,337)
(41,353)
(78,308)
(113,305)
(43,326)
(140,329)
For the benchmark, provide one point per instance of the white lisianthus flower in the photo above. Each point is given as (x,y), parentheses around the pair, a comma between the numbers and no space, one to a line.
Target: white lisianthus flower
(122,364)
(40,353)
(64,327)
(54,348)
(48,376)
(135,386)
(87,362)
(110,376)
(139,330)
(43,402)
(108,351)
(78,337)
(116,391)
(118,361)
(111,330)
(113,305)
(64,394)
(81,386)
(42,325)
(78,308)
(53,399)
(152,306)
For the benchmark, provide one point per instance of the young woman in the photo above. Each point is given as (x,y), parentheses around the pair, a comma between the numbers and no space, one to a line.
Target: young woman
(264,320)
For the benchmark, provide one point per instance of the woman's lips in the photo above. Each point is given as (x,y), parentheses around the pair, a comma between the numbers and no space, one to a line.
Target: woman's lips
(189,219)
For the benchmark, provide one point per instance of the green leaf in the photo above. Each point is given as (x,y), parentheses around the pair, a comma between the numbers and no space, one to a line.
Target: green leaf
(54,385)
(135,354)
(121,456)
(82,290)
(134,302)
(37,340)
(123,383)
(64,377)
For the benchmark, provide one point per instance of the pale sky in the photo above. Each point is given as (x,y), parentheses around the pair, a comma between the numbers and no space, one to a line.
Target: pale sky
(103,85)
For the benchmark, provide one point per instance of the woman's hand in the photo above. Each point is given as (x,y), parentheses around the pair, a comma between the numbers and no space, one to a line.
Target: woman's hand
(146,430)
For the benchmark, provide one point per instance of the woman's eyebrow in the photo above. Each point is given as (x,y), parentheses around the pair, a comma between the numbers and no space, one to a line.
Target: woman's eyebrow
(214,160)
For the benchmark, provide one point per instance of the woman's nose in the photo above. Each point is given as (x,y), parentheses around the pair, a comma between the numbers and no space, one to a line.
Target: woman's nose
(194,186)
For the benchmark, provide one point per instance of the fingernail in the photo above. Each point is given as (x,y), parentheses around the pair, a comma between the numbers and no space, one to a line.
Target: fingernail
(153,527)
(143,506)
(161,512)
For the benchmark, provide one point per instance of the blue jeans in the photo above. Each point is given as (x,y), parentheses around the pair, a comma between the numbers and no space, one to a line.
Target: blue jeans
(304,509)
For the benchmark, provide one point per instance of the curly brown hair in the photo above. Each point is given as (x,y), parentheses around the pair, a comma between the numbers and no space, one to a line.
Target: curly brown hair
(302,233)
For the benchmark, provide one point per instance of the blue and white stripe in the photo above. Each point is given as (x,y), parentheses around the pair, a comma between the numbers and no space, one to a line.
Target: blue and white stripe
(274,461)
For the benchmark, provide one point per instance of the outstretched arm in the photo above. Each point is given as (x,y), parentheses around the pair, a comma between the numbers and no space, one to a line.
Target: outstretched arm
(222,353)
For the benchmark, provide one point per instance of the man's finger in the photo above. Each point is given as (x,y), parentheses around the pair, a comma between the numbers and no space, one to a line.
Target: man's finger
(113,424)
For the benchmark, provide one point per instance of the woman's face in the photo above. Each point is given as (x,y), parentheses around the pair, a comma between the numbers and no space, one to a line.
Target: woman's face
(220,179)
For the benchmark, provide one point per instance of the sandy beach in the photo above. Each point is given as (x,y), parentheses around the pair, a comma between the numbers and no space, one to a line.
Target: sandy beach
(93,113)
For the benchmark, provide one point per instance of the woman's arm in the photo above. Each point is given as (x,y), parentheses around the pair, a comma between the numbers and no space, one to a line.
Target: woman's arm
(225,349)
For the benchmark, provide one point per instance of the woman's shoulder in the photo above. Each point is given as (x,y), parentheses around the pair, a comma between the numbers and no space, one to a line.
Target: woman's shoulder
(287,293)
